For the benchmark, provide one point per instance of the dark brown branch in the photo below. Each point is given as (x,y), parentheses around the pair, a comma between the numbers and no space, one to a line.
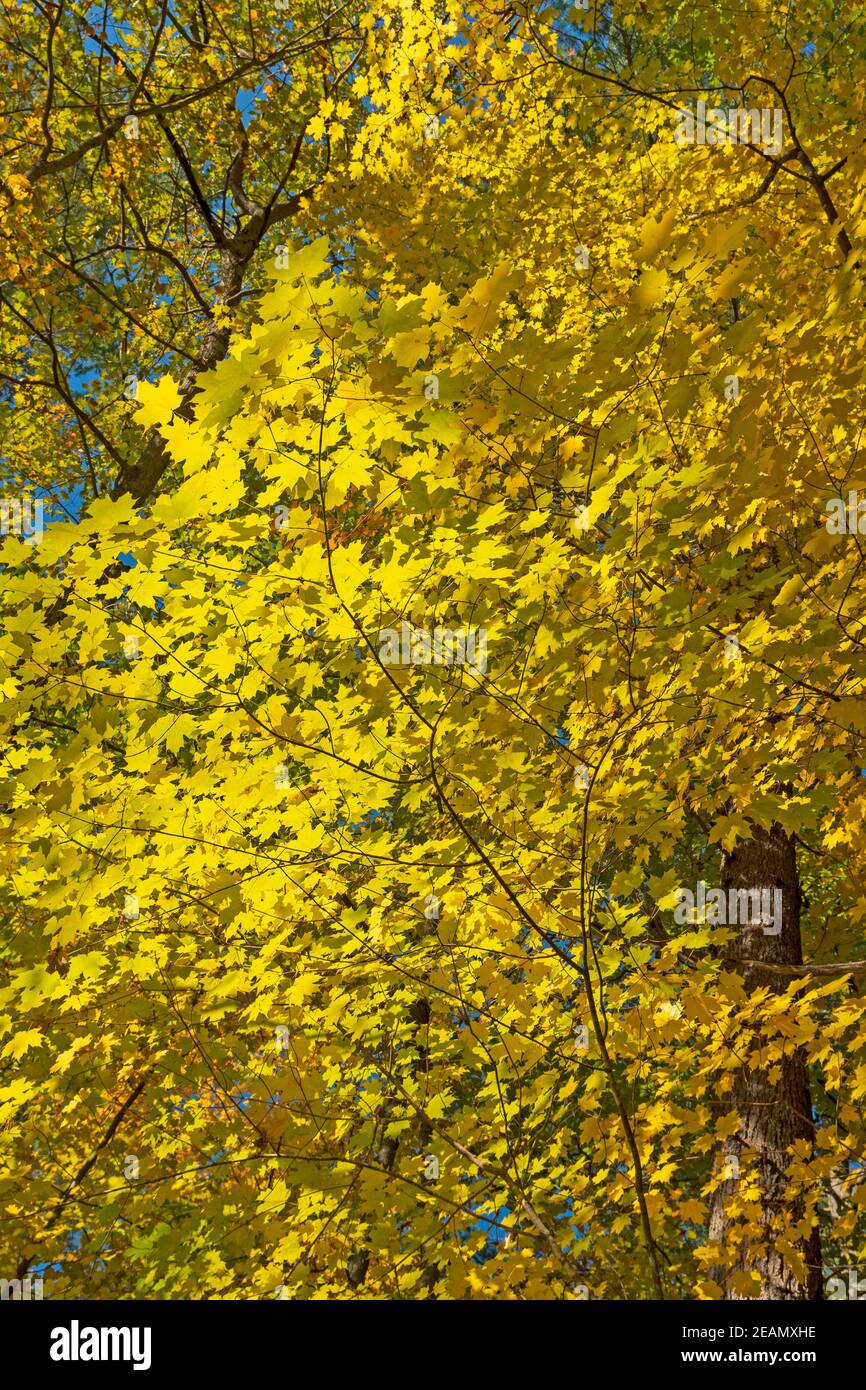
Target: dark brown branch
(85,1168)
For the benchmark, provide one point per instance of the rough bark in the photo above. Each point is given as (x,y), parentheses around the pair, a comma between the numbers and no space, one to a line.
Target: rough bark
(772,1114)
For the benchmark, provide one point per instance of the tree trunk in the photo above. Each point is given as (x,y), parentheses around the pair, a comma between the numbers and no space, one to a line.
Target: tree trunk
(141,476)
(772,1114)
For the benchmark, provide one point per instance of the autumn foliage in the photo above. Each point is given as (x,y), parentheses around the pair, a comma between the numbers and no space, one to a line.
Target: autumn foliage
(333,975)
